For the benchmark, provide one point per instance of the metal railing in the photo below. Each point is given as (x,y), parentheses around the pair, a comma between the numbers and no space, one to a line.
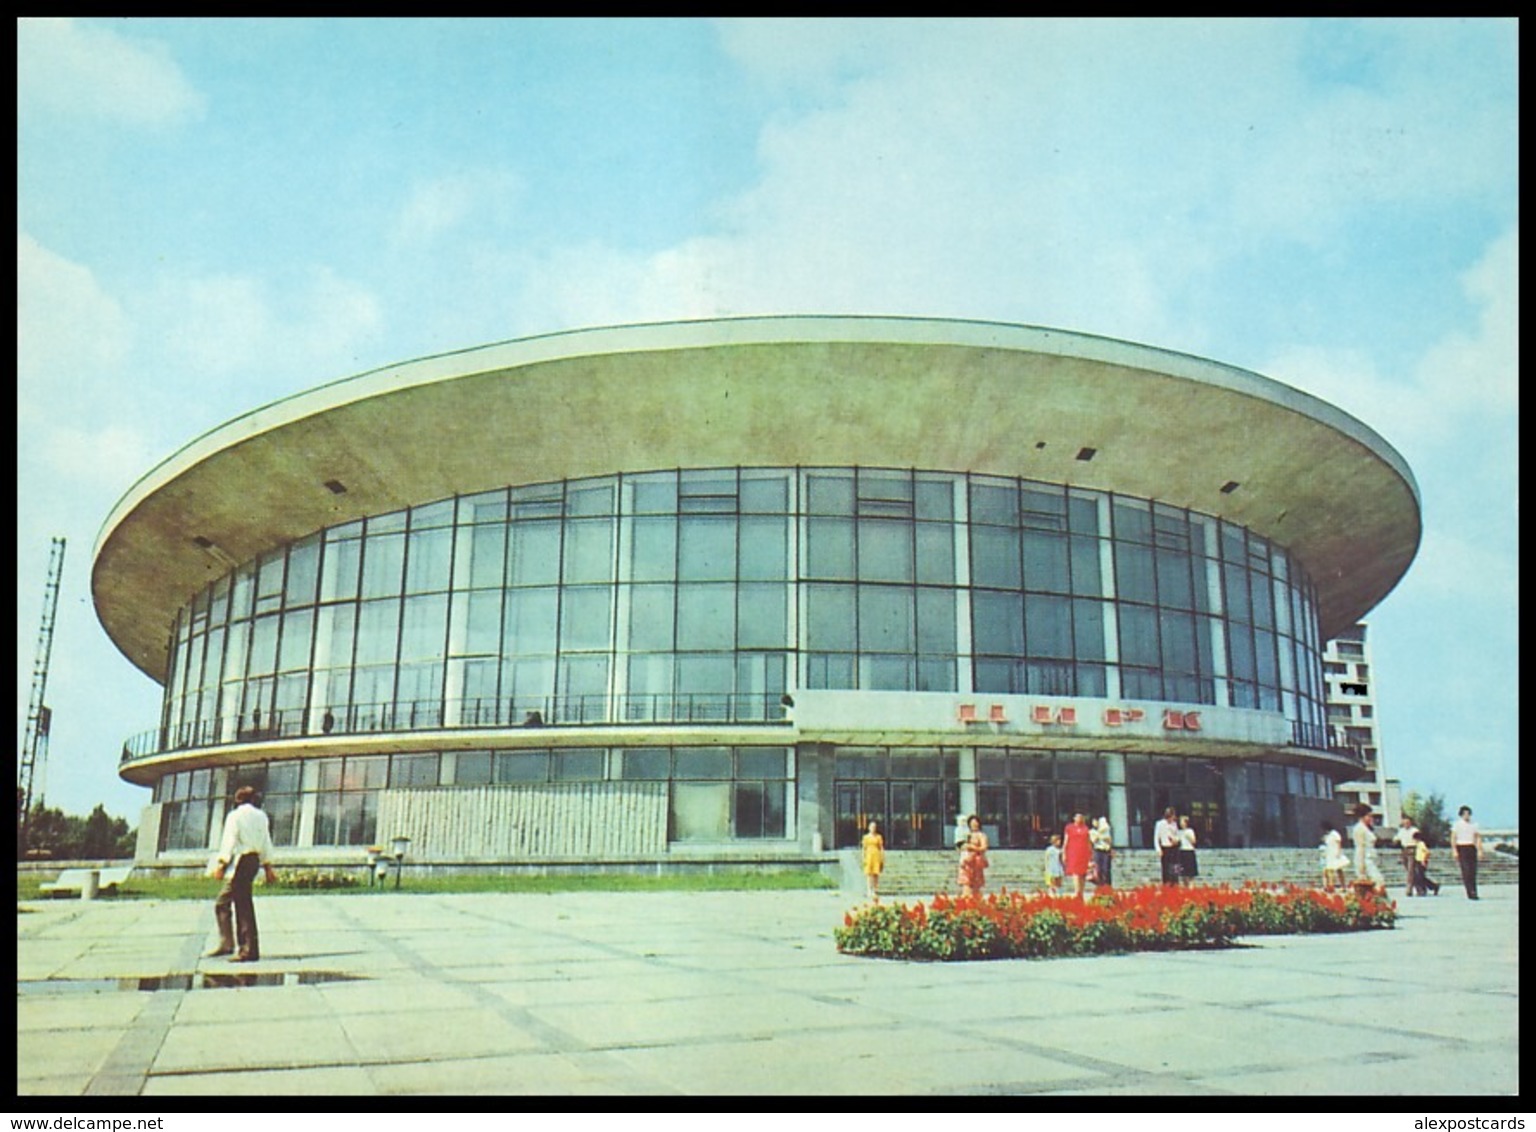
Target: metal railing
(1323,737)
(469,714)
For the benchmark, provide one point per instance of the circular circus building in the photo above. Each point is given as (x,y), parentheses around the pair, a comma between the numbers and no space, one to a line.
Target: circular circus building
(723,591)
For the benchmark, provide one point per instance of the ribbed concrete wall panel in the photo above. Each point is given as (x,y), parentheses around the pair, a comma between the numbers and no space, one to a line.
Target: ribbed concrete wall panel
(558,820)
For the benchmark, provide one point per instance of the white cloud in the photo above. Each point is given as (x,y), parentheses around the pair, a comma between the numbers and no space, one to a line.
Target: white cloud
(222,327)
(442,204)
(1480,369)
(85,69)
(69,332)
(109,458)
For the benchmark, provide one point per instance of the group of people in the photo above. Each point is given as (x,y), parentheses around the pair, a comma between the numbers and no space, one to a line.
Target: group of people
(1413,848)
(1175,839)
(1082,853)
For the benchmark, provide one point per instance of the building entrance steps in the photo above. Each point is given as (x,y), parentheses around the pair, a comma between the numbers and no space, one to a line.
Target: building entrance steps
(924,872)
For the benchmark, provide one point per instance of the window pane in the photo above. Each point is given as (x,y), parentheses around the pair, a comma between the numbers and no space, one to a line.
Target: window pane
(829,493)
(764,491)
(830,554)
(297,630)
(585,614)
(706,616)
(423,627)
(579,766)
(1048,625)
(1173,582)
(702,762)
(377,627)
(650,618)
(338,579)
(1088,629)
(1138,636)
(707,548)
(646,764)
(935,553)
(998,623)
(885,619)
(885,551)
(764,549)
(995,503)
(522,766)
(414,770)
(995,557)
(935,620)
(653,550)
(428,556)
(383,558)
(473,768)
(1133,573)
(701,811)
(1045,562)
(763,612)
(761,764)
(303,571)
(530,621)
(535,551)
(589,550)
(830,618)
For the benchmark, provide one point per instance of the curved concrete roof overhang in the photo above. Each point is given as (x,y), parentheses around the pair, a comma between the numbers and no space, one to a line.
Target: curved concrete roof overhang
(896,392)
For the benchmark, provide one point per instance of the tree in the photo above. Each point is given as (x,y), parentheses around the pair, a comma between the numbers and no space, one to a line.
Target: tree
(60,836)
(1429,815)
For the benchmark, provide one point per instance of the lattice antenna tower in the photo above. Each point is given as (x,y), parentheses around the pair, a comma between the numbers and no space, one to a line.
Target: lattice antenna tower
(34,744)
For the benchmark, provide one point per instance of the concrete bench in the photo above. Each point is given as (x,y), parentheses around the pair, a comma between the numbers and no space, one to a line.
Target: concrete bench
(74,880)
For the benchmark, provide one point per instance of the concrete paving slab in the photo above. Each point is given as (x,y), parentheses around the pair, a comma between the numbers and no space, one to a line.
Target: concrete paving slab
(431,1035)
(327,1081)
(283,1043)
(739,993)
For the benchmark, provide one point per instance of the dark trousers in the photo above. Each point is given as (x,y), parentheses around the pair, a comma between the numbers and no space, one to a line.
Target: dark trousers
(1466,857)
(1170,861)
(234,902)
(1102,865)
(1421,882)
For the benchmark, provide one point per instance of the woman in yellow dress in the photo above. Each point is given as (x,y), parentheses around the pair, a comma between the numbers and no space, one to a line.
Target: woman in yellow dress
(874,860)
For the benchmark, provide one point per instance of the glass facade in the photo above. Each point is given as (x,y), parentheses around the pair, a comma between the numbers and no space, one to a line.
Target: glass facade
(714,793)
(705,595)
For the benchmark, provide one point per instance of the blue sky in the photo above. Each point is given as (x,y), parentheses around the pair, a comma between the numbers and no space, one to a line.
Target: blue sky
(214,213)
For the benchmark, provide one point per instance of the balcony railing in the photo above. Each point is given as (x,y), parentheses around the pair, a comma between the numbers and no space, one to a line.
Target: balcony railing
(1323,737)
(471,714)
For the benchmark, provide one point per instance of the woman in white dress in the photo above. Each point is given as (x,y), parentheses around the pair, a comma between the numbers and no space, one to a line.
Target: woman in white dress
(1189,867)
(1335,862)
(1367,868)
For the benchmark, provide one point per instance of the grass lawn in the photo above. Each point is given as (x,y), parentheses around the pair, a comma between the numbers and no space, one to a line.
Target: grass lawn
(204,888)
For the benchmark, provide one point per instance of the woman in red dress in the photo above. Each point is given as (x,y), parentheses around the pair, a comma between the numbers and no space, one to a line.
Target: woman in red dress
(973,859)
(1077,852)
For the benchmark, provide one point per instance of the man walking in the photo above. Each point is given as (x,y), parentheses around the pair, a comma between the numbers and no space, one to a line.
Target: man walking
(1467,841)
(246,847)
(1407,841)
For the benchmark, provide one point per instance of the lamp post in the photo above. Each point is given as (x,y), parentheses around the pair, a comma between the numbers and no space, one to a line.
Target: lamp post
(399,844)
(374,853)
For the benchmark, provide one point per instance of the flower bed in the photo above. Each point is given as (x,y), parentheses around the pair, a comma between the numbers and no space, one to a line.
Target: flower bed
(316,878)
(1013,925)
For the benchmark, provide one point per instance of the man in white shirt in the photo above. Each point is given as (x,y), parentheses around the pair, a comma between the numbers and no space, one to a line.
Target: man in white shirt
(1407,842)
(1165,836)
(247,846)
(1467,841)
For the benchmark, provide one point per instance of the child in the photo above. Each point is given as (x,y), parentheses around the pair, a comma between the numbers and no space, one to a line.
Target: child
(1054,869)
(1423,885)
(1335,862)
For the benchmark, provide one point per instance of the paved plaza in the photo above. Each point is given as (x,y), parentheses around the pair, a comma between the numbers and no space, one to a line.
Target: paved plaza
(738,993)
